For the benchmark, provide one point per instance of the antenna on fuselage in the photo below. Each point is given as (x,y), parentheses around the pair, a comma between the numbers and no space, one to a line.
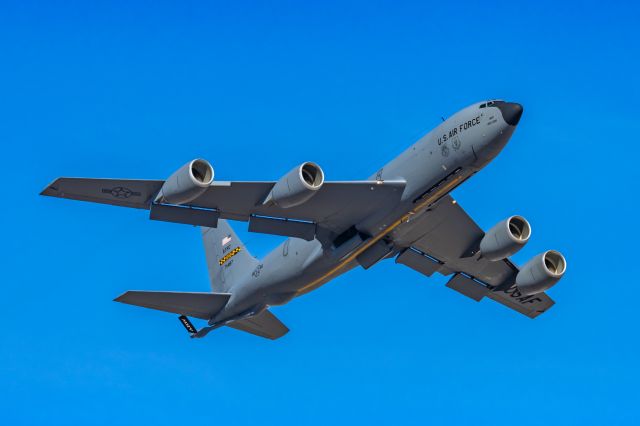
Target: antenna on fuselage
(443,119)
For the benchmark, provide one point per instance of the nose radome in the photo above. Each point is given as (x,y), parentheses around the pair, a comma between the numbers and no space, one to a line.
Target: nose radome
(511,112)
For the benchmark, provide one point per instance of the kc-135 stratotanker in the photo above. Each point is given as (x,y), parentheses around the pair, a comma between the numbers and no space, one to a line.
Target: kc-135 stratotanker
(402,212)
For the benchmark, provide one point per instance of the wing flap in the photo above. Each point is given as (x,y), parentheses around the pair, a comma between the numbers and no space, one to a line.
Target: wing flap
(468,287)
(418,262)
(198,305)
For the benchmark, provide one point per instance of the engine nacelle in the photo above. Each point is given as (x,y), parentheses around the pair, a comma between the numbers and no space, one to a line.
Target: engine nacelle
(505,239)
(541,273)
(187,183)
(297,186)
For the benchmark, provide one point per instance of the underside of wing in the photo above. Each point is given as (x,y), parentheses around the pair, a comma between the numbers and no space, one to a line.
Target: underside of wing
(445,240)
(135,193)
(334,207)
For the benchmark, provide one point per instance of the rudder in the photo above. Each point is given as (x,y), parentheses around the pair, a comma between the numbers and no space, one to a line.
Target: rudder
(228,260)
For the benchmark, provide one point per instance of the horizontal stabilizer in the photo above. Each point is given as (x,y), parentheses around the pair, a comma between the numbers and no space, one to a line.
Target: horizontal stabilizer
(198,305)
(265,324)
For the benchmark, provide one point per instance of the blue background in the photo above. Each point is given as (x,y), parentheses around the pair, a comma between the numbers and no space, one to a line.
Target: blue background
(137,89)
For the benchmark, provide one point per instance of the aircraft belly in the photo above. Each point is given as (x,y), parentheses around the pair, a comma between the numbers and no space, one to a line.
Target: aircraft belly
(295,268)
(308,275)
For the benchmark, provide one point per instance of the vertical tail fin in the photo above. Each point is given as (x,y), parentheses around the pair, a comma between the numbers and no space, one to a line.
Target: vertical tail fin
(228,260)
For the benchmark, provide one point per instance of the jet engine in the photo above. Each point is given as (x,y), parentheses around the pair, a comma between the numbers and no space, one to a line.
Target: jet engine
(541,273)
(506,238)
(297,186)
(187,183)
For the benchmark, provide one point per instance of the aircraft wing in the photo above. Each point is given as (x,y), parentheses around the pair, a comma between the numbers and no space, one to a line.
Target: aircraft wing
(444,239)
(336,206)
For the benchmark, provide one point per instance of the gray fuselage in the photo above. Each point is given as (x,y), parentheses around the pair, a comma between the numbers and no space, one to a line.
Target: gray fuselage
(432,167)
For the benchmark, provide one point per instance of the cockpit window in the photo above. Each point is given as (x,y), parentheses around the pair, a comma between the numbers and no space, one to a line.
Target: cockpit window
(490,103)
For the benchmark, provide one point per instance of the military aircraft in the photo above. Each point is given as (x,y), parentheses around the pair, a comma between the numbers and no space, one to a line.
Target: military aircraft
(403,211)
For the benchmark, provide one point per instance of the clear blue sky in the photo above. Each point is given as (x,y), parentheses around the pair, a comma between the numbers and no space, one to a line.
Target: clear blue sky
(136,89)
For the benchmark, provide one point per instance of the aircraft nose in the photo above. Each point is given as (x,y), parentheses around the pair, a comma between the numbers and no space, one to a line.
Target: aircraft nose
(511,112)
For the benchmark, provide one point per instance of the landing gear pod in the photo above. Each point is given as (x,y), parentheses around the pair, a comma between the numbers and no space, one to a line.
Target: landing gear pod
(297,186)
(506,238)
(541,273)
(187,183)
